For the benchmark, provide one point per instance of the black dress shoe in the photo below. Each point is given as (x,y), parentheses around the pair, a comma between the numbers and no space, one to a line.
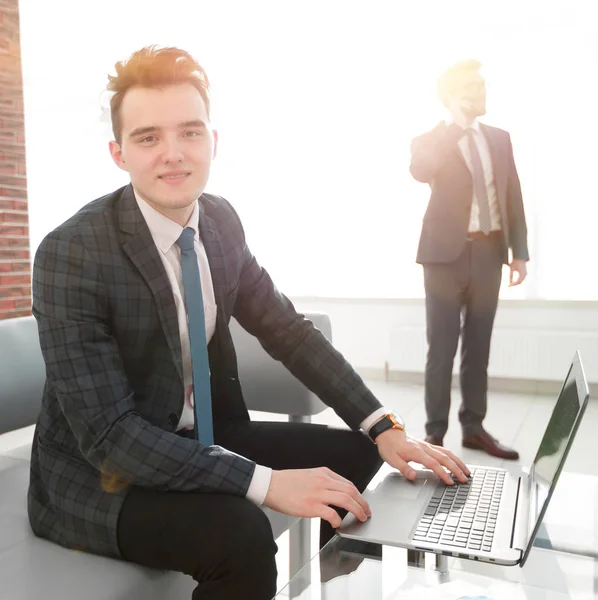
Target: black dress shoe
(434,440)
(484,441)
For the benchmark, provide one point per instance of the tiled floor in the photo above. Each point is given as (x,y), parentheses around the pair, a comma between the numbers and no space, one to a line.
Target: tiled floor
(517,420)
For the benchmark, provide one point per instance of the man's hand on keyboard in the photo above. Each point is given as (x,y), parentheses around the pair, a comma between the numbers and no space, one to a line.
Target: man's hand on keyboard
(398,449)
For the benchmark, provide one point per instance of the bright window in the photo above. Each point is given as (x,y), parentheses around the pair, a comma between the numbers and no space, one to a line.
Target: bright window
(316,104)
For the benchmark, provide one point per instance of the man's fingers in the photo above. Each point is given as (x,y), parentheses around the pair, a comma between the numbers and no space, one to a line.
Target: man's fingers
(341,484)
(361,501)
(457,460)
(431,463)
(520,274)
(446,461)
(336,476)
(515,277)
(346,487)
(403,467)
(329,514)
(347,502)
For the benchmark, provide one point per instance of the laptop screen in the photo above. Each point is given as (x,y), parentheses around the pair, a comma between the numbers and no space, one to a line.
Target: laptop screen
(559,429)
(555,445)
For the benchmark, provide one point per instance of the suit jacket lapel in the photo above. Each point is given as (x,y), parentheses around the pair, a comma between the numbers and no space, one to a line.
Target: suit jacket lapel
(141,249)
(499,165)
(211,241)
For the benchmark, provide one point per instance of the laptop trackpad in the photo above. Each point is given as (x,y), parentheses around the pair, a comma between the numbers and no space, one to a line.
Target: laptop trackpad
(396,504)
(409,490)
(395,487)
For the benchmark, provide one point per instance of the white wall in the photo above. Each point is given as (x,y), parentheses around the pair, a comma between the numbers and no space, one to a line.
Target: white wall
(532,340)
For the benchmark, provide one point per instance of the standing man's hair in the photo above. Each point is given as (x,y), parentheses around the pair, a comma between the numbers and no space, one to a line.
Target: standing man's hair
(154,67)
(446,82)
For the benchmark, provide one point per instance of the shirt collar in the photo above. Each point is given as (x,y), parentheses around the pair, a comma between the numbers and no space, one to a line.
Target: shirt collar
(475,125)
(165,232)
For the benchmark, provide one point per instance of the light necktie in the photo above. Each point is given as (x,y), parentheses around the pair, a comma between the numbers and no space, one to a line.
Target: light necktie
(197,337)
(479,183)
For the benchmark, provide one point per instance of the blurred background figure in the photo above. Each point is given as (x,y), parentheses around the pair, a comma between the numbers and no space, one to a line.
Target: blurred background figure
(474,217)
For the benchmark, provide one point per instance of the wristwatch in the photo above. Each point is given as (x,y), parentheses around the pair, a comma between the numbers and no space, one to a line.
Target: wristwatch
(390,420)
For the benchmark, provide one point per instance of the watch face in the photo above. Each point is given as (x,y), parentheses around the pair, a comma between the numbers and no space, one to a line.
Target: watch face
(398,420)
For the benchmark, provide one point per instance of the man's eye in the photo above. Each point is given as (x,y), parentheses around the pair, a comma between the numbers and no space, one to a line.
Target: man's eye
(148,139)
(191,133)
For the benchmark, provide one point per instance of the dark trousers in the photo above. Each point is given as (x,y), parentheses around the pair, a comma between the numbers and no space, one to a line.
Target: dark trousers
(224,542)
(461,299)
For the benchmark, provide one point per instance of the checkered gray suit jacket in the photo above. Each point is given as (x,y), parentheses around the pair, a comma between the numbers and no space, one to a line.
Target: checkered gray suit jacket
(114,390)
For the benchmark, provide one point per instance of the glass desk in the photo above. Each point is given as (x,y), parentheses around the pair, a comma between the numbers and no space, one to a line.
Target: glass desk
(563,563)
(348,570)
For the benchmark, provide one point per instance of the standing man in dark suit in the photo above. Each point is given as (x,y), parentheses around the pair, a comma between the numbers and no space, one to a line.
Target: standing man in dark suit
(474,216)
(144,449)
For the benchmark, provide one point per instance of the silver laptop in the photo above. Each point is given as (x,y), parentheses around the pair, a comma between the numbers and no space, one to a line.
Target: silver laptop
(495,516)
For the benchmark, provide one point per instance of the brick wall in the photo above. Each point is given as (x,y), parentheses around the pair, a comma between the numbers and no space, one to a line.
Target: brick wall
(15,266)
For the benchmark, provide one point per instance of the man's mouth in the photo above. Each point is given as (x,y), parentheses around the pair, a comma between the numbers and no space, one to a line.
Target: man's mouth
(174,175)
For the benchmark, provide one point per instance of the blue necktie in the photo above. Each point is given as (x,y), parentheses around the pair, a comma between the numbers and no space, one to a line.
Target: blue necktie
(197,338)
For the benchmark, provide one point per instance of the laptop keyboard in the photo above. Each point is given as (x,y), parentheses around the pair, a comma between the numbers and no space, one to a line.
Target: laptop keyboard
(463,515)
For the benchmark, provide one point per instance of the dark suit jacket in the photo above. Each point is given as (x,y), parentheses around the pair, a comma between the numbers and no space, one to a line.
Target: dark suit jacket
(114,389)
(436,159)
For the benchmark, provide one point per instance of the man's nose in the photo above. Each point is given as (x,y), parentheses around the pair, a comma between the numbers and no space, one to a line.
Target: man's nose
(173,151)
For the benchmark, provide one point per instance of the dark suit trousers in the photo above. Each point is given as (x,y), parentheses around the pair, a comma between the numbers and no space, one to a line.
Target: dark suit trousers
(225,542)
(461,299)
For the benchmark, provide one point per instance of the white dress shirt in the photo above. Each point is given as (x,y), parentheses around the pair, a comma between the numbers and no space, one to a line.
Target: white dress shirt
(165,233)
(486,158)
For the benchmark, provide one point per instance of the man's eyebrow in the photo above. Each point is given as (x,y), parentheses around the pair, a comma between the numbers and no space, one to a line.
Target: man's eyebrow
(142,130)
(155,128)
(193,123)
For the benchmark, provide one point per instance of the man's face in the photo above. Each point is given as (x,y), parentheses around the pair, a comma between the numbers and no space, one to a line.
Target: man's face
(469,89)
(166,145)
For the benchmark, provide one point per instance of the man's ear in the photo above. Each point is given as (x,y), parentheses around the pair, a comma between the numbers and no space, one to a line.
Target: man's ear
(215,150)
(117,155)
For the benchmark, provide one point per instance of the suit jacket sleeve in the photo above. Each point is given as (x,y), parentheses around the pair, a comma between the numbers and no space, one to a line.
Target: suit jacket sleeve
(290,338)
(85,371)
(429,151)
(516,212)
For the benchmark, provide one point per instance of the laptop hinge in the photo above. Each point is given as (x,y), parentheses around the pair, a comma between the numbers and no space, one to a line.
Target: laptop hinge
(520,533)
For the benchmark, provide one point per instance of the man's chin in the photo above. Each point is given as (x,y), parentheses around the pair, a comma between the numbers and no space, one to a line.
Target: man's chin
(180,198)
(477,111)
(170,203)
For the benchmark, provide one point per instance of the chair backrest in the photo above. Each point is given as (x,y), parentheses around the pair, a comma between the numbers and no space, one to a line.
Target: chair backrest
(22,373)
(267,385)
